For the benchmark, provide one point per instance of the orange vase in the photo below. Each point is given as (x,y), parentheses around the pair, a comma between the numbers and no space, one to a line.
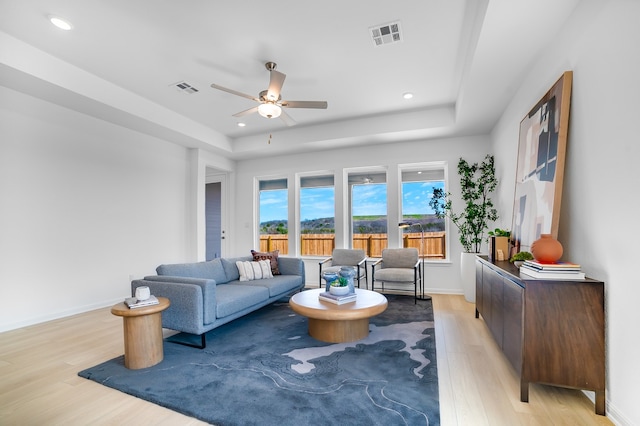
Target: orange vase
(546,249)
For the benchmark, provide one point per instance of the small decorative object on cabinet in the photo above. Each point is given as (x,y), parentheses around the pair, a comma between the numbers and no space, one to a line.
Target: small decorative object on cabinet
(551,331)
(519,258)
(546,249)
(498,241)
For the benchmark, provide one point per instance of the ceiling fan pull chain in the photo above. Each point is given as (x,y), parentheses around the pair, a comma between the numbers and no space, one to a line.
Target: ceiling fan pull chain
(269,141)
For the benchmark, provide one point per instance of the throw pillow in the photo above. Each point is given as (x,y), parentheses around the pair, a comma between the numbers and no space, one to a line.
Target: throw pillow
(254,270)
(271,256)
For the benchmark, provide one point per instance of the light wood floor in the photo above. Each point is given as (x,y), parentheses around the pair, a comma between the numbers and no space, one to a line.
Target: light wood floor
(39,383)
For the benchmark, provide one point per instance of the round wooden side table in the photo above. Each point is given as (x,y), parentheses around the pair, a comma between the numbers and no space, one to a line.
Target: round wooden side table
(142,333)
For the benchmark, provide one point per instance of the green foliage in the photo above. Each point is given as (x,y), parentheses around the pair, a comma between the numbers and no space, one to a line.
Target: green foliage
(274,227)
(477,181)
(340,282)
(523,255)
(499,233)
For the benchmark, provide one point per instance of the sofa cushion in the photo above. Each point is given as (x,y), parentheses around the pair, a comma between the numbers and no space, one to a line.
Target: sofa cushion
(398,275)
(271,256)
(211,270)
(250,271)
(278,285)
(230,268)
(232,298)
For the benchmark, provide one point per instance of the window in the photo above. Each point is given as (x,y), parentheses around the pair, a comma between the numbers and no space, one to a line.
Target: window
(368,196)
(363,219)
(426,232)
(274,213)
(317,216)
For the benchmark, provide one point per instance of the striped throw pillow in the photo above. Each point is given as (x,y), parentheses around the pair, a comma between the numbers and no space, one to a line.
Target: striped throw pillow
(250,271)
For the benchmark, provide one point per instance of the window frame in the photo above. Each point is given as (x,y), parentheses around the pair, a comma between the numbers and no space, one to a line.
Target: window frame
(258,213)
(426,166)
(378,175)
(300,178)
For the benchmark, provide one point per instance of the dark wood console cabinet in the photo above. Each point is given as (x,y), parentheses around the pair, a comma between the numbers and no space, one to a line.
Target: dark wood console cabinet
(551,331)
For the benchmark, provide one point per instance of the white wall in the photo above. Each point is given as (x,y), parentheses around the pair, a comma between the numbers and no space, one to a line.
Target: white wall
(599,206)
(442,278)
(84,204)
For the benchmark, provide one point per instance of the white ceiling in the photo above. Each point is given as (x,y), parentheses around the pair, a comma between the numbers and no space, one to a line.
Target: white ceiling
(462,60)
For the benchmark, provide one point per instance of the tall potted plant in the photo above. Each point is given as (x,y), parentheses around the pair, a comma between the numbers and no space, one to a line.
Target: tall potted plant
(477,182)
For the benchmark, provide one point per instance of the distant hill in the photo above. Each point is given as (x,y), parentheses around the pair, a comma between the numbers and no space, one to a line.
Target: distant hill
(361,225)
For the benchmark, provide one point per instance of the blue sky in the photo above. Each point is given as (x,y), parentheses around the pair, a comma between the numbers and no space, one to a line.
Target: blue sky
(316,203)
(416,196)
(370,200)
(273,205)
(367,200)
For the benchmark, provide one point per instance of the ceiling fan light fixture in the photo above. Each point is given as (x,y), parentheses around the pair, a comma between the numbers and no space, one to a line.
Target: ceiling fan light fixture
(269,110)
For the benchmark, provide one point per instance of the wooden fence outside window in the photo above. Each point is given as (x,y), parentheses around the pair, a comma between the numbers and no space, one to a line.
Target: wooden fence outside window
(372,244)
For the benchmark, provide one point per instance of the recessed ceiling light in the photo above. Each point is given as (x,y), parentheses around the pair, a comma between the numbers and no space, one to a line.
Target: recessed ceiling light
(63,24)
(240,124)
(407,95)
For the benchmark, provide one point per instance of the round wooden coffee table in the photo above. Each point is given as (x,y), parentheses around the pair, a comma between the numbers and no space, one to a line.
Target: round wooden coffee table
(338,323)
(142,333)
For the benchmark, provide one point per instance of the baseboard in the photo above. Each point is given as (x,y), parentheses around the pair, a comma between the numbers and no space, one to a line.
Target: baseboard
(613,414)
(58,315)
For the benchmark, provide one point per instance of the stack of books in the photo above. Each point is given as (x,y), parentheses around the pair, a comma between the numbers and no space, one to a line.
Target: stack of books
(552,271)
(133,303)
(338,300)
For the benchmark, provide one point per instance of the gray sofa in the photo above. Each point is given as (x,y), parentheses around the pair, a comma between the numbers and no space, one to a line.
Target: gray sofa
(206,295)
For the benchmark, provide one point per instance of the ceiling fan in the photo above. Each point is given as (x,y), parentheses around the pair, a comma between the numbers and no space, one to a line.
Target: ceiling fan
(270,100)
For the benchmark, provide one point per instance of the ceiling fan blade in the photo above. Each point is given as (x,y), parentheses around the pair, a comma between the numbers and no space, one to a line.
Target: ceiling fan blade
(246,112)
(286,118)
(304,104)
(275,85)
(235,92)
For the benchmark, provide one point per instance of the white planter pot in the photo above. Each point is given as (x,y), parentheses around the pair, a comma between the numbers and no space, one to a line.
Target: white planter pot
(468,275)
(339,291)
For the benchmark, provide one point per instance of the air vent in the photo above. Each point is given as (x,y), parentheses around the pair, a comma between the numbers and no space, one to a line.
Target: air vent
(185,87)
(385,33)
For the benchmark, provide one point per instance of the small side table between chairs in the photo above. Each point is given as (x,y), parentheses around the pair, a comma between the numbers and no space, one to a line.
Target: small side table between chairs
(142,333)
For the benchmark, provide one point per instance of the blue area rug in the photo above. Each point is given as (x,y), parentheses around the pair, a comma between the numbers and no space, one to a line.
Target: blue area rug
(264,369)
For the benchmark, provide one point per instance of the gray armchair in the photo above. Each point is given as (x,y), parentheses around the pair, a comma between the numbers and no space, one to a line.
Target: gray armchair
(346,257)
(397,266)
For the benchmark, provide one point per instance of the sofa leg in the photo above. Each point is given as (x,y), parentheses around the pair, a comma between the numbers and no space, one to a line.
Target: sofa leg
(203,342)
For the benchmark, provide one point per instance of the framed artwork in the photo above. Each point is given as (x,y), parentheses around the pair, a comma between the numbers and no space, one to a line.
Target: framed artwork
(542,147)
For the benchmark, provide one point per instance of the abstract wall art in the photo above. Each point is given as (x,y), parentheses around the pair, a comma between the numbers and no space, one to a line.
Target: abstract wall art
(540,168)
